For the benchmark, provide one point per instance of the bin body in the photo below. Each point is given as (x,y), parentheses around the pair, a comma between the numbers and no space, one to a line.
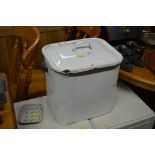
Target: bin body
(74,95)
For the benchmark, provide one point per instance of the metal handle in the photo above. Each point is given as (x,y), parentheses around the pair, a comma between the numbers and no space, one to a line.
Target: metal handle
(44,67)
(81,47)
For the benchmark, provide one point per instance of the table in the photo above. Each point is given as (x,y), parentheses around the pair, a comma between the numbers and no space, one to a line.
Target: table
(141,77)
(129,112)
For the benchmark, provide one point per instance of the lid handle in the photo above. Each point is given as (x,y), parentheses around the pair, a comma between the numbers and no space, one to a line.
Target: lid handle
(81,47)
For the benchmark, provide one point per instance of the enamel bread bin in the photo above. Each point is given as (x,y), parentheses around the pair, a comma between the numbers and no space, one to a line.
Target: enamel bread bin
(81,79)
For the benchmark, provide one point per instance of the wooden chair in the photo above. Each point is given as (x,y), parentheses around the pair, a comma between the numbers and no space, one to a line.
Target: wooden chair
(79,32)
(23,79)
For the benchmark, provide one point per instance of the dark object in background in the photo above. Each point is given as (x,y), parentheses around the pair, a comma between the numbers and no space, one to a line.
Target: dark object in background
(2,97)
(136,48)
(131,56)
(2,94)
(150,61)
(1,121)
(120,34)
(125,65)
(126,39)
(72,33)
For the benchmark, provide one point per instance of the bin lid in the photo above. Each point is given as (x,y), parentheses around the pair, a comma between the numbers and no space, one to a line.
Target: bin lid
(80,55)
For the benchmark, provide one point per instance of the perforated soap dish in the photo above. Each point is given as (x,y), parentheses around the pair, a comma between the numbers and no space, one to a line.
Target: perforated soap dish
(30,113)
